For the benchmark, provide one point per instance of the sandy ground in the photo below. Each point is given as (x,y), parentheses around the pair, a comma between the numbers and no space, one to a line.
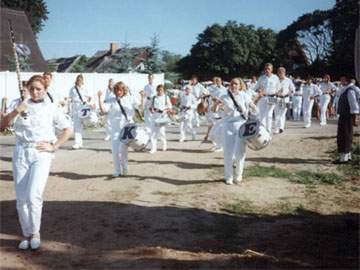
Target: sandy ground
(170,212)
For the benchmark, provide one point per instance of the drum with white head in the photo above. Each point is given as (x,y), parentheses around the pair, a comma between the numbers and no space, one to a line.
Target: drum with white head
(162,121)
(135,137)
(256,135)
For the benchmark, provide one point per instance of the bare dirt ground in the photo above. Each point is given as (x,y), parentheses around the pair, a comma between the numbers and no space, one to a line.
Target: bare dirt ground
(172,211)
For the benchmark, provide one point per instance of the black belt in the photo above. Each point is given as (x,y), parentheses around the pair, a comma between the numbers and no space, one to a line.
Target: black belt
(270,95)
(283,96)
(183,108)
(157,110)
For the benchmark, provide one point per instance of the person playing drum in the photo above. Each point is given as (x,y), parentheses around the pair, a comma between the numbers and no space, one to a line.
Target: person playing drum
(160,108)
(188,103)
(120,109)
(237,105)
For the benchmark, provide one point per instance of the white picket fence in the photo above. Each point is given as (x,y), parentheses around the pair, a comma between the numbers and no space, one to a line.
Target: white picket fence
(62,82)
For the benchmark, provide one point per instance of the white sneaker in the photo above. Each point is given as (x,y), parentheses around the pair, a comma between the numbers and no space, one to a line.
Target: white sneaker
(76,146)
(24,244)
(238,180)
(182,140)
(164,148)
(277,131)
(107,138)
(35,243)
(307,126)
(152,151)
(218,149)
(229,181)
(193,137)
(114,175)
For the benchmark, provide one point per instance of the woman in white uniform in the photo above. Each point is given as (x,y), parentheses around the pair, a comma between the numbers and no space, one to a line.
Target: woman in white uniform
(327,88)
(297,100)
(160,108)
(236,109)
(120,110)
(310,92)
(79,97)
(109,93)
(188,103)
(34,150)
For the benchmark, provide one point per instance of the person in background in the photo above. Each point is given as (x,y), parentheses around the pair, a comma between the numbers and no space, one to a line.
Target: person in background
(310,92)
(148,94)
(109,93)
(327,89)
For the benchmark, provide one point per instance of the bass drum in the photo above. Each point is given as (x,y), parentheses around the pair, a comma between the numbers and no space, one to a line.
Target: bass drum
(135,137)
(91,120)
(256,135)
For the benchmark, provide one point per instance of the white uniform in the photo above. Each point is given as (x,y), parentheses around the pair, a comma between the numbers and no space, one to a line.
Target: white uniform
(198,90)
(76,106)
(325,98)
(286,89)
(108,95)
(149,93)
(31,167)
(187,105)
(118,121)
(56,98)
(217,91)
(234,146)
(271,86)
(159,103)
(297,102)
(309,91)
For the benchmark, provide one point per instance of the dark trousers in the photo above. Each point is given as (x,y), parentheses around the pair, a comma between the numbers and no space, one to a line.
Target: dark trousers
(344,133)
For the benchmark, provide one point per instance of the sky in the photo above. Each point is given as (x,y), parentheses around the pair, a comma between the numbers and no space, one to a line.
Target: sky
(86,26)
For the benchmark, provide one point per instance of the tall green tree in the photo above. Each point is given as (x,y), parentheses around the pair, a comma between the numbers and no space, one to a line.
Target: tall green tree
(153,63)
(228,51)
(36,11)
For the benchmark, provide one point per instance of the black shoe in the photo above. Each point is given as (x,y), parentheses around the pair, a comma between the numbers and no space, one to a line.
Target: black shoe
(340,162)
(281,130)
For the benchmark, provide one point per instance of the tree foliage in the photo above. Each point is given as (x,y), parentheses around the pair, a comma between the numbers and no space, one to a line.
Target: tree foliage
(153,63)
(228,51)
(36,11)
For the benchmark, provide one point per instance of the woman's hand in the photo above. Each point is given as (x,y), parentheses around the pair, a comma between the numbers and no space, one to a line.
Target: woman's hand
(99,93)
(22,107)
(45,147)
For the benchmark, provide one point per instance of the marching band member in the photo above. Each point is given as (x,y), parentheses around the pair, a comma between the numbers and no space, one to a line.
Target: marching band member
(251,88)
(286,89)
(109,93)
(34,150)
(160,107)
(51,95)
(78,97)
(348,107)
(267,86)
(149,93)
(198,90)
(310,92)
(327,88)
(120,109)
(188,103)
(297,100)
(236,108)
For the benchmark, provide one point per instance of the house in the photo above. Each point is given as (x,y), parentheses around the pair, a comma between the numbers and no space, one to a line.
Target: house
(25,40)
(64,64)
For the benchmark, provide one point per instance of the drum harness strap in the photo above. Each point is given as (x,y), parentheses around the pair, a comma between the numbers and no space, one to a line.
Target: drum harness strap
(50,97)
(77,91)
(122,109)
(238,108)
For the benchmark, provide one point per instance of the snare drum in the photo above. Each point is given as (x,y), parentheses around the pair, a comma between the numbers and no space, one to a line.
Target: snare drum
(271,100)
(281,103)
(256,135)
(135,137)
(162,121)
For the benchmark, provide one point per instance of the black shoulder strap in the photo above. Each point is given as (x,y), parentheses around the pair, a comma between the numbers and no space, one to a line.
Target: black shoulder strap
(122,109)
(234,101)
(153,102)
(50,97)
(78,92)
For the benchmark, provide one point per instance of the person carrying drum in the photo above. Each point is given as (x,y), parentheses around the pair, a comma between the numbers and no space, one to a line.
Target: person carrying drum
(34,150)
(79,98)
(160,108)
(286,89)
(198,90)
(120,109)
(149,93)
(267,87)
(237,105)
(188,103)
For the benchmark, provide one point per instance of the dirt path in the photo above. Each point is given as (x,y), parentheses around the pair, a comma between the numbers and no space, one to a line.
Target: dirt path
(172,211)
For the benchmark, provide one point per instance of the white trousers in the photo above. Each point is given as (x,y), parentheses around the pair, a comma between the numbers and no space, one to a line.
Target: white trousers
(307,110)
(266,113)
(148,120)
(196,119)
(108,126)
(296,107)
(157,133)
(216,134)
(120,156)
(30,170)
(78,130)
(234,148)
(187,126)
(280,116)
(324,102)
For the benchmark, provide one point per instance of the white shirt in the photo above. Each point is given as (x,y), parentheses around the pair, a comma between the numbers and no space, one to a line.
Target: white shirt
(108,94)
(251,85)
(311,90)
(270,85)
(287,87)
(117,118)
(198,90)
(75,99)
(230,111)
(217,91)
(40,122)
(161,102)
(326,88)
(188,101)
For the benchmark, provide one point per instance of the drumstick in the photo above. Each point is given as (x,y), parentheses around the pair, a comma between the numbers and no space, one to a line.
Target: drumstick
(12,37)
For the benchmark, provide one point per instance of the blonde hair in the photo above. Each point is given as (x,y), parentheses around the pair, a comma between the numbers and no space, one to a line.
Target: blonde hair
(122,86)
(242,83)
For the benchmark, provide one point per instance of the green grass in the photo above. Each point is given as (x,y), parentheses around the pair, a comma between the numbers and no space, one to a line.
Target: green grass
(353,167)
(301,177)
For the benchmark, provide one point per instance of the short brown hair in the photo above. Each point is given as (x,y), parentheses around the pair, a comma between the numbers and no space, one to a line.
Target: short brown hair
(36,78)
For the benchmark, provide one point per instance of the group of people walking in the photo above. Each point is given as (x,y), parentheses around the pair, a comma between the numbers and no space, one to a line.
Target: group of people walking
(41,124)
